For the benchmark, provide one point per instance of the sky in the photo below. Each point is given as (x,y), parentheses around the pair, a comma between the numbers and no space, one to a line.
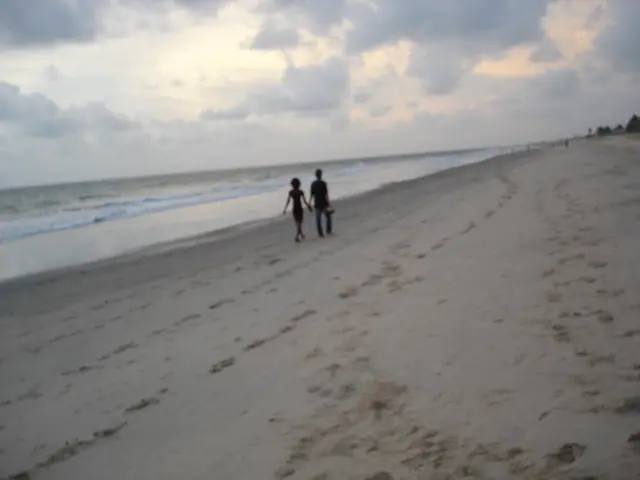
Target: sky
(109,88)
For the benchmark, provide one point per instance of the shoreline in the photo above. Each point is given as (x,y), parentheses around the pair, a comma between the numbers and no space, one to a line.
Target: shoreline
(209,238)
(131,232)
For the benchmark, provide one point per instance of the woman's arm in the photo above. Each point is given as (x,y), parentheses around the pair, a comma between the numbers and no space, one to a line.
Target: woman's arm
(286,205)
(305,201)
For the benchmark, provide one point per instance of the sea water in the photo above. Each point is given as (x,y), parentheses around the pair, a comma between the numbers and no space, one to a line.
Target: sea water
(53,226)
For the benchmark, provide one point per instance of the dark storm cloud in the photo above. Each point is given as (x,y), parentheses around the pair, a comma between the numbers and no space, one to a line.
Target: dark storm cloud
(32,23)
(556,84)
(316,15)
(440,70)
(271,38)
(483,25)
(546,52)
(37,22)
(304,91)
(447,37)
(619,42)
(37,115)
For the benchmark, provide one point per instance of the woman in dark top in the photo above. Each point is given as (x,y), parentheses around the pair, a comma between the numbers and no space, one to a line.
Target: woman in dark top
(297,197)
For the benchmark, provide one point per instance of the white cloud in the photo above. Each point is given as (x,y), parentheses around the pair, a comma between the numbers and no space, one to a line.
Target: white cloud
(123,87)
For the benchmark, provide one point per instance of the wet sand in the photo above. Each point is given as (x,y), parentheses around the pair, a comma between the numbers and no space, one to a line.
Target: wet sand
(480,323)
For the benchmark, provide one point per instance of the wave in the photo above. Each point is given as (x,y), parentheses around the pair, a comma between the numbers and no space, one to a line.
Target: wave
(81,212)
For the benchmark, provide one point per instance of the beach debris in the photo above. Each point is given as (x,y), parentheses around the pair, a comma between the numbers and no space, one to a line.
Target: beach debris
(144,403)
(221,365)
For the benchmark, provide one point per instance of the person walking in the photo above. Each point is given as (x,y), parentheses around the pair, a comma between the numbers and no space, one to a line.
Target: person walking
(319,196)
(296,196)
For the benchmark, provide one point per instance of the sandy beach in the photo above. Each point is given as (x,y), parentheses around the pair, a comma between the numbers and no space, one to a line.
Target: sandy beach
(480,323)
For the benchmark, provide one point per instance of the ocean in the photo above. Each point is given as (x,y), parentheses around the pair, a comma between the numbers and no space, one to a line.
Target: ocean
(54,226)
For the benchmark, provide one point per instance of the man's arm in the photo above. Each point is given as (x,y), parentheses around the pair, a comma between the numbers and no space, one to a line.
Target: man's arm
(327,195)
(311,193)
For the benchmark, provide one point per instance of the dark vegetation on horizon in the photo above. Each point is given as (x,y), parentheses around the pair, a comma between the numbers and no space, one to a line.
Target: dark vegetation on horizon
(633,126)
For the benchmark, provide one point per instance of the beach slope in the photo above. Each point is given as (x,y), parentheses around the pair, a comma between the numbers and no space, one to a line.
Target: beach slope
(479,323)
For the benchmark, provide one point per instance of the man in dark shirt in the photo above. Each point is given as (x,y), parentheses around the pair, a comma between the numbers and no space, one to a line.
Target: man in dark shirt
(320,198)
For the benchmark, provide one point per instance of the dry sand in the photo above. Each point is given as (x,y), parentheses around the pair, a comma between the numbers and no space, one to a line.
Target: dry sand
(482,323)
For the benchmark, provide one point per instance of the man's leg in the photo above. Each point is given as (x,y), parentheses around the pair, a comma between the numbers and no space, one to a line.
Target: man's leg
(318,213)
(329,222)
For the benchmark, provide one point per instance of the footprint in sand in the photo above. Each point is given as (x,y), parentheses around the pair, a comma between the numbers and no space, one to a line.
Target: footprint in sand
(144,403)
(597,264)
(63,336)
(554,297)
(286,329)
(566,454)
(348,292)
(561,334)
(315,353)
(187,319)
(604,317)
(373,279)
(548,273)
(595,360)
(32,394)
(221,365)
(470,227)
(221,303)
(82,369)
(380,476)
(118,350)
(571,258)
(611,293)
(255,344)
(71,449)
(634,442)
(439,245)
(302,316)
(631,406)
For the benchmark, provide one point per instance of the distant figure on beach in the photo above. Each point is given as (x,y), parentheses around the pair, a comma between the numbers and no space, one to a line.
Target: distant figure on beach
(297,197)
(566,144)
(320,198)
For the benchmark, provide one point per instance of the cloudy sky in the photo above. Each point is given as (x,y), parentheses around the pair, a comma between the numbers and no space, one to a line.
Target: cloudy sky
(103,88)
